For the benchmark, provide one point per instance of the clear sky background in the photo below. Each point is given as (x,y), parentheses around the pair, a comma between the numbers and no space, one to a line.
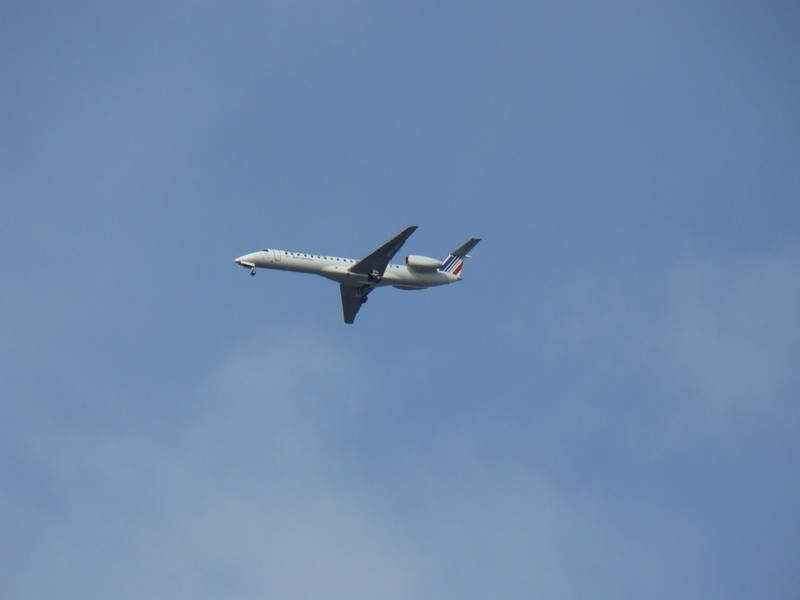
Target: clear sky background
(605,407)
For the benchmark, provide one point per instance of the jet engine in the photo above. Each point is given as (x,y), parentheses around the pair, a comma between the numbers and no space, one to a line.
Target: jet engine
(422,263)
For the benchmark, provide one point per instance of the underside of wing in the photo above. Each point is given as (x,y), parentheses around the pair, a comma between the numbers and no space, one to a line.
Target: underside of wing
(375,264)
(352,299)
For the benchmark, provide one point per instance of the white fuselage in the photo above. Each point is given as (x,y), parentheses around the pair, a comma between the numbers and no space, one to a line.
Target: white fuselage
(337,269)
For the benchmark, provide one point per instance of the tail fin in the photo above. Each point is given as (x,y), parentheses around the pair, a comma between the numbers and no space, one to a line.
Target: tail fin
(455,261)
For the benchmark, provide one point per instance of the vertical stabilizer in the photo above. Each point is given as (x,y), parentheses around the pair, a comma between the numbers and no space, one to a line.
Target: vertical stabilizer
(455,260)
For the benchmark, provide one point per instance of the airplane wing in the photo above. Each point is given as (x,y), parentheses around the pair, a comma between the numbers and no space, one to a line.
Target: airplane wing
(379,260)
(352,300)
(372,266)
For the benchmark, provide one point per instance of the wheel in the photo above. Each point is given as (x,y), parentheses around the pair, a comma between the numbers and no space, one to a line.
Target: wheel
(253,272)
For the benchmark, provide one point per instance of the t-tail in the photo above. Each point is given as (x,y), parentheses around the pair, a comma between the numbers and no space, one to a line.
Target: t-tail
(455,261)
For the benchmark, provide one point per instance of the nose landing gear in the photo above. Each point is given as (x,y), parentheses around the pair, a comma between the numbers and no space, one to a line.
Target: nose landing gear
(253,272)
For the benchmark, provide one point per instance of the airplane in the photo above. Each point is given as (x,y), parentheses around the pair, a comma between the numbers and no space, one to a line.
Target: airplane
(357,278)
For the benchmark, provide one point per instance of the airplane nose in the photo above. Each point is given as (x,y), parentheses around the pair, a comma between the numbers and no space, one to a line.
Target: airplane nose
(247,261)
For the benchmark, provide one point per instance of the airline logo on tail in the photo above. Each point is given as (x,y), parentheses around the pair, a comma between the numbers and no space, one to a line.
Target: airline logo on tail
(452,265)
(455,261)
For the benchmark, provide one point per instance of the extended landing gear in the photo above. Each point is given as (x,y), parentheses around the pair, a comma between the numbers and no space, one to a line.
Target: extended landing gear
(375,276)
(253,272)
(364,295)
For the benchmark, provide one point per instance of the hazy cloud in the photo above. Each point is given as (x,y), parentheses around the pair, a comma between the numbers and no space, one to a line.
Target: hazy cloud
(733,329)
(595,412)
(253,495)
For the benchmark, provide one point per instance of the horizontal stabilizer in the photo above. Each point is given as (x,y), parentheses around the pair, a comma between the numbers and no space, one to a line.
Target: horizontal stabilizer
(464,250)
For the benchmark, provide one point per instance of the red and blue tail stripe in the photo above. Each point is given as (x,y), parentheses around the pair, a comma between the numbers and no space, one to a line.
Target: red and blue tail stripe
(455,261)
(452,265)
(448,264)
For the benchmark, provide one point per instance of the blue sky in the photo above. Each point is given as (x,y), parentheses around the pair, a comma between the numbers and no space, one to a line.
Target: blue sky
(606,407)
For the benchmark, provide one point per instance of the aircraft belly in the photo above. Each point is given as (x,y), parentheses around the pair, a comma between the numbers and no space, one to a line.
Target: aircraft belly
(390,278)
(406,280)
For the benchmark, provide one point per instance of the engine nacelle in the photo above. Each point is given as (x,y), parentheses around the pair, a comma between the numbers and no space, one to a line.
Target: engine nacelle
(422,263)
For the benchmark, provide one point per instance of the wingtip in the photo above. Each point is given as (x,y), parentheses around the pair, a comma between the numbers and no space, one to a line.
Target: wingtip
(408,231)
